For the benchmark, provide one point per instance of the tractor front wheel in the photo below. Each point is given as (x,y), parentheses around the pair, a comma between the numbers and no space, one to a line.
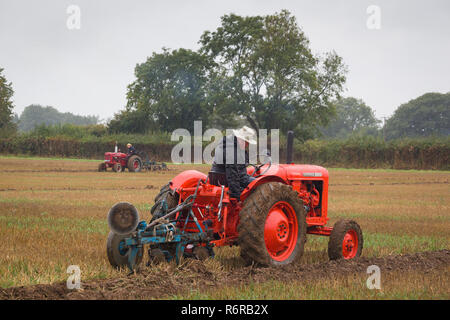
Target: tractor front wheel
(272,228)
(117,252)
(346,240)
(117,167)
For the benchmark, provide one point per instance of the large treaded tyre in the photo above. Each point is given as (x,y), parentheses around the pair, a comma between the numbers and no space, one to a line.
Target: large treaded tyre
(101,167)
(346,240)
(134,164)
(164,194)
(272,217)
(117,255)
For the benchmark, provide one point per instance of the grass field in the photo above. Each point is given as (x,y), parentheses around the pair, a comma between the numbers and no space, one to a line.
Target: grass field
(53,214)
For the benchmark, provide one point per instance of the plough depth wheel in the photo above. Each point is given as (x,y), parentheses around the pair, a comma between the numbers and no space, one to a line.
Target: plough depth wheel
(117,251)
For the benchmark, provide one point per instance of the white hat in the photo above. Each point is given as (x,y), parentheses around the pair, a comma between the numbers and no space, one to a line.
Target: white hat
(247,134)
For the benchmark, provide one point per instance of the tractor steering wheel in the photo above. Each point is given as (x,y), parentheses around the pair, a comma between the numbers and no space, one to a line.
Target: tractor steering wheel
(257,168)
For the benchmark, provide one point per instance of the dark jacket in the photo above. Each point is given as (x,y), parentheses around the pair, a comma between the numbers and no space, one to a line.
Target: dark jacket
(234,166)
(131,151)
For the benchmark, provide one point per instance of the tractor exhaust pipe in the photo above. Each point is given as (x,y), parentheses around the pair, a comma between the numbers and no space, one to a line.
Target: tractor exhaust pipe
(290,147)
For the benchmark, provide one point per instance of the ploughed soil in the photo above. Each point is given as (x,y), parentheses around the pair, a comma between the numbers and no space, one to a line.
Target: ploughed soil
(166,280)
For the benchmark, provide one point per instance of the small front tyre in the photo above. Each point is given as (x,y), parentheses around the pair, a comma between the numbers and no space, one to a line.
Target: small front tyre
(346,240)
(117,167)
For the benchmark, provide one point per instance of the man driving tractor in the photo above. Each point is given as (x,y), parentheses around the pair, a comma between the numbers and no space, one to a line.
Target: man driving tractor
(230,161)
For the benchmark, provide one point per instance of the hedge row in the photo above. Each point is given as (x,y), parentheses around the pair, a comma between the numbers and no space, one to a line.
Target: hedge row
(373,153)
(359,153)
(72,148)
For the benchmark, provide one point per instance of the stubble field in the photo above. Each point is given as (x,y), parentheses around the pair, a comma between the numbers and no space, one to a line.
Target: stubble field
(53,215)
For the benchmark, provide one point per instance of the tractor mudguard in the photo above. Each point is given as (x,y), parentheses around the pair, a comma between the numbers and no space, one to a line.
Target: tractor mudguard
(186,179)
(258,181)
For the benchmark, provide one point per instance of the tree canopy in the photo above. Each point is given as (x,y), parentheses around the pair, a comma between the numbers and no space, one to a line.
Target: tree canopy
(257,69)
(427,115)
(265,72)
(353,116)
(169,91)
(7,126)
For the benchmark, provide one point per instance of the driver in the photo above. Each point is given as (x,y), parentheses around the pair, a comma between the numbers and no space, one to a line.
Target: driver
(131,150)
(231,160)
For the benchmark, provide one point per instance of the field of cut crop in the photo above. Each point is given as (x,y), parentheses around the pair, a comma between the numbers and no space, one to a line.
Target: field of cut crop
(53,215)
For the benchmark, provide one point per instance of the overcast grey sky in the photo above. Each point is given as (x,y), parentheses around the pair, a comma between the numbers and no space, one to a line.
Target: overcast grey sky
(87,71)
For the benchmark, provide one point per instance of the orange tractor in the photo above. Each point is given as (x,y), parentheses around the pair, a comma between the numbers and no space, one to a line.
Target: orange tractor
(276,211)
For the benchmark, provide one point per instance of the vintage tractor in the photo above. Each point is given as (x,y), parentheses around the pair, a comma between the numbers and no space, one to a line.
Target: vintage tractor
(191,216)
(119,161)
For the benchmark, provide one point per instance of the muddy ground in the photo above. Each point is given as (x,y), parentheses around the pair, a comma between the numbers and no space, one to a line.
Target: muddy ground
(169,279)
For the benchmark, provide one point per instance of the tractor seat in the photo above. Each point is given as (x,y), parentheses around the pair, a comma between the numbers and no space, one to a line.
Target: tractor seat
(217,178)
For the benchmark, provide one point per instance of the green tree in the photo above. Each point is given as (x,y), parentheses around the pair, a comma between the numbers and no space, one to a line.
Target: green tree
(7,126)
(353,116)
(427,115)
(130,121)
(36,115)
(264,71)
(169,93)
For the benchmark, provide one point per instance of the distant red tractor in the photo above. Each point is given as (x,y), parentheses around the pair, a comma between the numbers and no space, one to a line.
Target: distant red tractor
(270,222)
(119,161)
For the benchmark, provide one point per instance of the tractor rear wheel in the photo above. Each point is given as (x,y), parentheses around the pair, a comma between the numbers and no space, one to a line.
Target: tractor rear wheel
(156,211)
(272,228)
(346,240)
(101,167)
(117,252)
(134,164)
(164,194)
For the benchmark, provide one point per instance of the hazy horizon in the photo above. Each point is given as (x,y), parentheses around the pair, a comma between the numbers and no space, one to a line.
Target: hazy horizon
(86,71)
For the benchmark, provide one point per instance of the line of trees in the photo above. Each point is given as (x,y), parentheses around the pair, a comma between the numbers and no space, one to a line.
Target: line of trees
(427,115)
(260,70)
(35,116)
(253,70)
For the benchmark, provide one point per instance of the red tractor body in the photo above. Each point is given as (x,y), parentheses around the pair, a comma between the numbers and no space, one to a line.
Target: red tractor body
(309,181)
(111,158)
(119,161)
